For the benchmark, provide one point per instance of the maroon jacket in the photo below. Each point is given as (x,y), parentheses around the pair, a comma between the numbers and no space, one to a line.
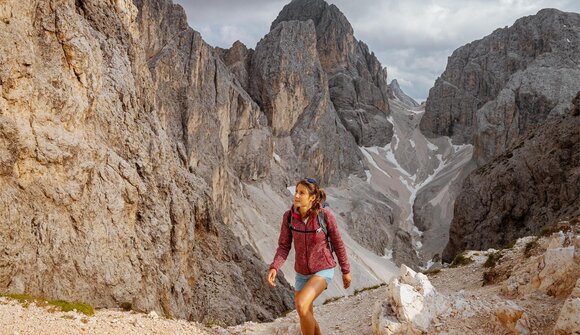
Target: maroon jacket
(312,250)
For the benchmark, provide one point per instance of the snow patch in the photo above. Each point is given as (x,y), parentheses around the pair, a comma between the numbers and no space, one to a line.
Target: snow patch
(412,143)
(369,175)
(276,158)
(388,254)
(427,266)
(417,231)
(432,146)
(372,161)
(292,189)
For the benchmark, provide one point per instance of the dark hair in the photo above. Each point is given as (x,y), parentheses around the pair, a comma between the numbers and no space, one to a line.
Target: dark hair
(314,188)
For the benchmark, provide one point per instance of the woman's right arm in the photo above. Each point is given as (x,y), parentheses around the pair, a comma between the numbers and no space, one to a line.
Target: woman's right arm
(284,246)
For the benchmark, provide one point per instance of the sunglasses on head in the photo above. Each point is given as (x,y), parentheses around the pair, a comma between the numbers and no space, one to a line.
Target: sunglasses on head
(310,180)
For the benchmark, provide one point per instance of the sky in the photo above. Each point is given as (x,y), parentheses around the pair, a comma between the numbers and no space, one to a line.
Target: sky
(411,38)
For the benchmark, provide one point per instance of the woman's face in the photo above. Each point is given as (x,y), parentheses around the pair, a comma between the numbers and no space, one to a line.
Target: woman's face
(302,198)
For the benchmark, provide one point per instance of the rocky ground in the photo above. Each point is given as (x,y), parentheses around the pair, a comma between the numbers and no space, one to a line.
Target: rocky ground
(525,293)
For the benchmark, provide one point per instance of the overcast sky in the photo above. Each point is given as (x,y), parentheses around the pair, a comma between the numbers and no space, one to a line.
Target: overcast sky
(412,38)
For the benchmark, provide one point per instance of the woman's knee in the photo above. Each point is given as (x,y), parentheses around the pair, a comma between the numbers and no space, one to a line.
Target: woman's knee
(303,306)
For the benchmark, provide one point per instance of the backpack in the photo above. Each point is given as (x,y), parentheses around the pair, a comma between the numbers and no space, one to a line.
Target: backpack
(321,223)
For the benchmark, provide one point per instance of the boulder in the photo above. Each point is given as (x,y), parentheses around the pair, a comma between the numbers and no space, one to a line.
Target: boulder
(555,272)
(356,79)
(568,321)
(411,305)
(512,317)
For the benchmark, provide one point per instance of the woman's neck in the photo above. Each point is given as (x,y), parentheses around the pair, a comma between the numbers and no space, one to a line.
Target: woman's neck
(303,212)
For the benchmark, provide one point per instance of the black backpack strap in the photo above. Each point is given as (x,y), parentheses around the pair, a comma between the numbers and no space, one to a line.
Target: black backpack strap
(289,219)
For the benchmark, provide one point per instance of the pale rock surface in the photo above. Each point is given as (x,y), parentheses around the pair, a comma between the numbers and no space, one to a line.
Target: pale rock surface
(290,85)
(512,317)
(106,195)
(411,305)
(356,79)
(569,320)
(554,272)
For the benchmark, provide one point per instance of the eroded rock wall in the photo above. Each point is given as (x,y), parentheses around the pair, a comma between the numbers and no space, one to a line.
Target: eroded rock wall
(120,135)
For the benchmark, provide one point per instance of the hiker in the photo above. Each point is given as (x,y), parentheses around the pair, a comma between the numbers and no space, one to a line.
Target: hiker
(315,233)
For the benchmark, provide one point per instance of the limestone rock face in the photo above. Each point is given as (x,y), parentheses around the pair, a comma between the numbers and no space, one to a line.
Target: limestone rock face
(238,59)
(531,184)
(396,93)
(119,137)
(511,316)
(411,304)
(554,272)
(356,79)
(291,86)
(568,321)
(496,89)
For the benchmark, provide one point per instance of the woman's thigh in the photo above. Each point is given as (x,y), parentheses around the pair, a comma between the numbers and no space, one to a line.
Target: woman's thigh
(313,288)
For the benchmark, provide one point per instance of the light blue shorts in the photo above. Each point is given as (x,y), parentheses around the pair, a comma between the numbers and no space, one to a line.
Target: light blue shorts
(302,279)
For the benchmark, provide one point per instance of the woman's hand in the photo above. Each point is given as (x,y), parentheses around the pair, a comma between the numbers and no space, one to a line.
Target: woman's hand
(271,277)
(346,279)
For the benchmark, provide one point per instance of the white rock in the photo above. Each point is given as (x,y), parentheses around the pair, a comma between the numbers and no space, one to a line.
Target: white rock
(569,321)
(411,305)
(512,317)
(153,315)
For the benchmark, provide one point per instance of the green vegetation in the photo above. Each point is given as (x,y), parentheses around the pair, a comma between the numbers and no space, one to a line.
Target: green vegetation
(215,323)
(126,306)
(489,277)
(329,300)
(510,245)
(360,290)
(530,246)
(563,226)
(80,307)
(461,259)
(431,272)
(492,259)
(62,305)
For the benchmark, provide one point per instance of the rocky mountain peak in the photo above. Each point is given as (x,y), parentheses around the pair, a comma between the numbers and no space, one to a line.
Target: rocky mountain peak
(357,81)
(395,92)
(495,89)
(315,10)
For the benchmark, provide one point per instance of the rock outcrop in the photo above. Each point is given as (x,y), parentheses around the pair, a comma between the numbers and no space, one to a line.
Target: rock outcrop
(411,305)
(568,321)
(396,93)
(289,83)
(496,89)
(120,134)
(518,193)
(554,272)
(356,79)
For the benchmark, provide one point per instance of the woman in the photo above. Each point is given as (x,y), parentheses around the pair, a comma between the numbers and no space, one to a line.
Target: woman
(314,263)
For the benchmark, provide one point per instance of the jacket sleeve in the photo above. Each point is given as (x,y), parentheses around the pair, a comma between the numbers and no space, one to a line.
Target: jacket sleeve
(337,243)
(284,244)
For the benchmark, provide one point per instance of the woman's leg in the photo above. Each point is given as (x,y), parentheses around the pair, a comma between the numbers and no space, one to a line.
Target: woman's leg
(304,304)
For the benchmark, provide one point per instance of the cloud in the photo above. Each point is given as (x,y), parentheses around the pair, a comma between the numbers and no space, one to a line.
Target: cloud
(412,38)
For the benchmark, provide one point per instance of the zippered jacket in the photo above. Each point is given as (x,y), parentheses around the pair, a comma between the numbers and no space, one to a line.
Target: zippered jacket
(312,250)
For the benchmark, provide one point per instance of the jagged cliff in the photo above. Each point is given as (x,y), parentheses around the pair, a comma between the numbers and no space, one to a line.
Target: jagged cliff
(128,145)
(496,89)
(120,134)
(357,81)
(510,95)
(517,194)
